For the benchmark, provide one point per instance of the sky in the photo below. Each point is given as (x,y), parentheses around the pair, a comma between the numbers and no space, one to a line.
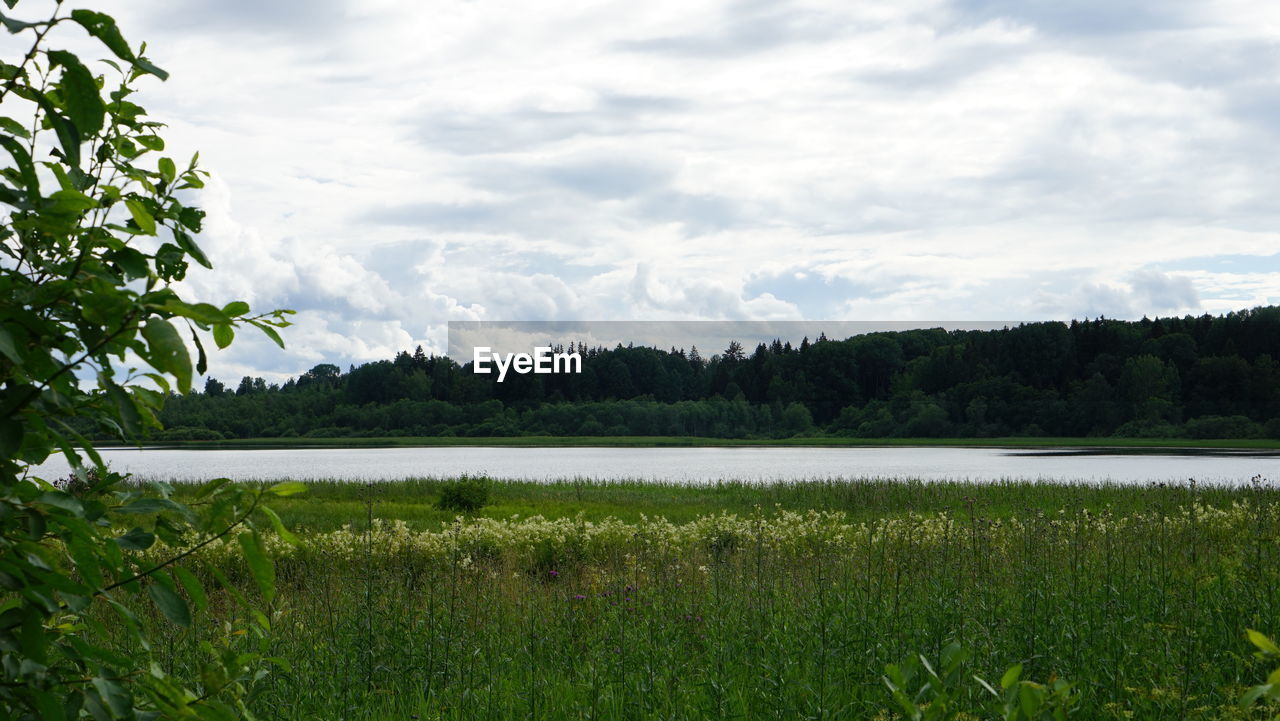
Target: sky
(385,167)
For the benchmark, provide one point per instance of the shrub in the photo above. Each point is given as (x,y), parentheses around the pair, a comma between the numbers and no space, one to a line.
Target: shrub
(467,494)
(1221,427)
(188,433)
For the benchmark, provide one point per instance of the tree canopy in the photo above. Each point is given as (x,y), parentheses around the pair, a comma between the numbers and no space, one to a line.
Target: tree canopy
(1201,377)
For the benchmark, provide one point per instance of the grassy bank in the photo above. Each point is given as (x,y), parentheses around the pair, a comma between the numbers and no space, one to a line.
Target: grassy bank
(641,601)
(697,442)
(328,505)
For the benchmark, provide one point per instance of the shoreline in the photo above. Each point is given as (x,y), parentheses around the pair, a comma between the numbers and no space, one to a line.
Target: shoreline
(1013,443)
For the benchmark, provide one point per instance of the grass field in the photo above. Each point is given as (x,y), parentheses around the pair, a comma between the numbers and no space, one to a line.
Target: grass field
(695,441)
(642,601)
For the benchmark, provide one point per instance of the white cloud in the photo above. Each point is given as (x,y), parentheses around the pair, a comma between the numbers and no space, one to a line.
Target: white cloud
(385,166)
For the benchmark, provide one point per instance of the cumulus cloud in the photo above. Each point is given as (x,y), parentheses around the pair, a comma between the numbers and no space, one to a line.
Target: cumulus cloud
(1144,293)
(386,167)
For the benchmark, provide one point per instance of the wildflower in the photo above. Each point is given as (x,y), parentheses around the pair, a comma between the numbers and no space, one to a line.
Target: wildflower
(553,574)
(578,597)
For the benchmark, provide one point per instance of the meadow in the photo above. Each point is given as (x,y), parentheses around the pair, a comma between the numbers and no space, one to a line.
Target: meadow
(587,600)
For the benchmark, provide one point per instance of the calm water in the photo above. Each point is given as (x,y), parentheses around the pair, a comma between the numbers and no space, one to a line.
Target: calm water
(687,464)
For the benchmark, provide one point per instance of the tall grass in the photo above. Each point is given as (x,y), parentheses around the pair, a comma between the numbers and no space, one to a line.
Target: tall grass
(329,504)
(764,602)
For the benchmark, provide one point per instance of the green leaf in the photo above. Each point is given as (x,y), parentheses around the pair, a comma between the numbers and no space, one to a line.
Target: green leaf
(1264,644)
(211,487)
(7,347)
(115,695)
(10,437)
(136,540)
(26,169)
(68,134)
(188,244)
(260,567)
(16,26)
(65,501)
(79,92)
(228,586)
(236,308)
(278,525)
(271,333)
(990,689)
(199,312)
(50,705)
(33,641)
(1030,697)
(223,334)
(170,604)
(141,216)
(128,411)
(9,125)
(288,488)
(192,586)
(166,352)
(70,202)
(202,361)
(168,170)
(131,261)
(1011,676)
(150,142)
(1251,696)
(102,27)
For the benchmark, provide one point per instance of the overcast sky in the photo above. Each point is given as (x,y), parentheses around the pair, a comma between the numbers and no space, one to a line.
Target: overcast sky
(383,167)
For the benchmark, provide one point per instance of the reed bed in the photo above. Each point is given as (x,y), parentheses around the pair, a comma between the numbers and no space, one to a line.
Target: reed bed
(774,612)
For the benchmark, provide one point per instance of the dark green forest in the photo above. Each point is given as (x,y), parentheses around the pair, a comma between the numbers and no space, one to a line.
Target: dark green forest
(1189,377)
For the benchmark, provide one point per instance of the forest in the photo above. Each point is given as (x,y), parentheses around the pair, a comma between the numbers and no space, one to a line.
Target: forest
(1189,377)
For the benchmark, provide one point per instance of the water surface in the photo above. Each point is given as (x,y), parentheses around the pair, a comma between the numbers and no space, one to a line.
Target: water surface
(696,465)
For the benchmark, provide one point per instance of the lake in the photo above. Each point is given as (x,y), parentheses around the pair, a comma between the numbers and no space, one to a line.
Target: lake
(696,465)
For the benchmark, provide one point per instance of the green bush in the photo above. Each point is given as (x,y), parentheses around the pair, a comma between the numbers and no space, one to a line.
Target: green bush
(467,494)
(188,433)
(1222,427)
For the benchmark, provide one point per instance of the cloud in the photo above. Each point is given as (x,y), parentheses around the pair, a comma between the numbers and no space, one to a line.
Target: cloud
(1144,293)
(816,294)
(1090,17)
(290,17)
(747,26)
(1164,293)
(527,125)
(394,166)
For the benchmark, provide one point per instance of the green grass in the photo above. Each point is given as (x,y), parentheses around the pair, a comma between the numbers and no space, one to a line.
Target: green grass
(694,441)
(1125,591)
(328,505)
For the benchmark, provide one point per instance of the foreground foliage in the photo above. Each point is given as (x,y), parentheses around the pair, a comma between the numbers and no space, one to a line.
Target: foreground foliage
(95,231)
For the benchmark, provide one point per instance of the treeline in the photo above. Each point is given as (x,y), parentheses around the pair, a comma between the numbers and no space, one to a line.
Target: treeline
(1198,377)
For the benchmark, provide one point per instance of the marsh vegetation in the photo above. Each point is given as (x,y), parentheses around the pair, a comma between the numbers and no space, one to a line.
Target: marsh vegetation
(630,600)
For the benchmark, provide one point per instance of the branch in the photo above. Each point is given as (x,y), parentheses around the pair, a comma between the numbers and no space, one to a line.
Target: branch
(184,554)
(35,390)
(35,46)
